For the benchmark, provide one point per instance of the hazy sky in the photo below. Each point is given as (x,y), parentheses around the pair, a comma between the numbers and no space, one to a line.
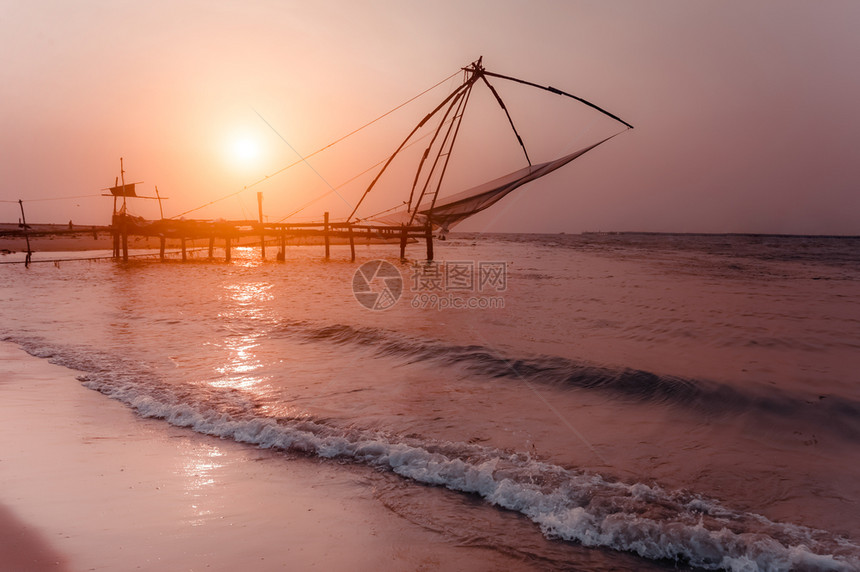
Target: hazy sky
(746,112)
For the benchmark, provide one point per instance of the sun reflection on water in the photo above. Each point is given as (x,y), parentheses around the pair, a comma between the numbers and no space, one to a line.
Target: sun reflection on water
(250,292)
(242,301)
(246,256)
(201,465)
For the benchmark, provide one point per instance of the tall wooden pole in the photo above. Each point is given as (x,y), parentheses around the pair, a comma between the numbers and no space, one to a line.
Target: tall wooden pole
(325,235)
(124,239)
(123,223)
(262,229)
(26,235)
(160,210)
(282,255)
(428,237)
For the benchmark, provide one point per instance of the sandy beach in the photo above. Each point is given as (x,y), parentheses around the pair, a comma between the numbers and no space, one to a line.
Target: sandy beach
(88,485)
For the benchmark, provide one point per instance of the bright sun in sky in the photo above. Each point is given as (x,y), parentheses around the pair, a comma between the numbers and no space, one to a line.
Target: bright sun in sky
(245,151)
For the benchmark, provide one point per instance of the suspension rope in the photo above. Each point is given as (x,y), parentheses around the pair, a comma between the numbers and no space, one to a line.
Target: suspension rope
(293,164)
(351,179)
(51,199)
(408,137)
(374,215)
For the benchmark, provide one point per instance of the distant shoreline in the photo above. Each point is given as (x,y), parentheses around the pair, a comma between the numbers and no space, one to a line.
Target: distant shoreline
(60,238)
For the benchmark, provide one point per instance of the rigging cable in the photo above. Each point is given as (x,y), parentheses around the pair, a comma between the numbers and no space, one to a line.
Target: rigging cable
(51,199)
(348,181)
(351,133)
(408,137)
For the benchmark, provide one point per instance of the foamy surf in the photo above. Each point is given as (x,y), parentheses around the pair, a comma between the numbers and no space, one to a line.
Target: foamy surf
(576,506)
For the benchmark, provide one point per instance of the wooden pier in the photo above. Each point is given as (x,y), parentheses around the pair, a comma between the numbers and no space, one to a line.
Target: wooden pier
(229,233)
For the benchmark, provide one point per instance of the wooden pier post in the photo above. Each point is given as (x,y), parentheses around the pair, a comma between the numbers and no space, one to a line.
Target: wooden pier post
(428,237)
(404,234)
(123,213)
(161,241)
(262,228)
(184,255)
(211,246)
(282,254)
(26,235)
(325,236)
(124,229)
(227,249)
(351,245)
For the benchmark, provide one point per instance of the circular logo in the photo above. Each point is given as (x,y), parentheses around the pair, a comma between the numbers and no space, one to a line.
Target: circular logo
(377,285)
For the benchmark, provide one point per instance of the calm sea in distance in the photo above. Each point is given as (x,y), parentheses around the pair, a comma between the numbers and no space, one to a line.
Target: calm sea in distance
(591,402)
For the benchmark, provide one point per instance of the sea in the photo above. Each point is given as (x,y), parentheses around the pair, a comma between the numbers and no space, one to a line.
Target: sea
(577,402)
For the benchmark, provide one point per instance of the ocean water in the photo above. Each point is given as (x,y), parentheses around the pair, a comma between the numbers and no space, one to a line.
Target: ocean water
(580,402)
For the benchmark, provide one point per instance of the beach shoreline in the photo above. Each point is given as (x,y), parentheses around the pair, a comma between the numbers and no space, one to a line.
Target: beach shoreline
(88,485)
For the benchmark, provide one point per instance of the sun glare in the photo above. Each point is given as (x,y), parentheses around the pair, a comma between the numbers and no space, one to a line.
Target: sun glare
(245,151)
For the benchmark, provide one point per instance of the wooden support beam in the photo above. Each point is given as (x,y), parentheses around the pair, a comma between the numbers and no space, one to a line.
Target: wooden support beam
(262,228)
(325,235)
(428,237)
(404,235)
(282,255)
(26,234)
(184,255)
(161,241)
(211,246)
(227,248)
(124,227)
(351,245)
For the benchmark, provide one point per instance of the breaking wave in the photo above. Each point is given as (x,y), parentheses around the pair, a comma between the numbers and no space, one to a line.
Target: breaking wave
(567,504)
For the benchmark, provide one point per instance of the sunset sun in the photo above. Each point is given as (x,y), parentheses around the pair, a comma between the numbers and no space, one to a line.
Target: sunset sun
(245,151)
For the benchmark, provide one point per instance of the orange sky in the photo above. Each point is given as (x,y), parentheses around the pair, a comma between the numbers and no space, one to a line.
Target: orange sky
(744,111)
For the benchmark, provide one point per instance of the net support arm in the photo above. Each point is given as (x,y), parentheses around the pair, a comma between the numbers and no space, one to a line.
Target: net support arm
(559,92)
(510,120)
(453,94)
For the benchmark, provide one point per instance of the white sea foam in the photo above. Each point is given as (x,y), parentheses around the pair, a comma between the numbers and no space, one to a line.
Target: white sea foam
(578,507)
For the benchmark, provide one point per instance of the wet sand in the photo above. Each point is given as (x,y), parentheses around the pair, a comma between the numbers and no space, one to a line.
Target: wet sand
(88,485)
